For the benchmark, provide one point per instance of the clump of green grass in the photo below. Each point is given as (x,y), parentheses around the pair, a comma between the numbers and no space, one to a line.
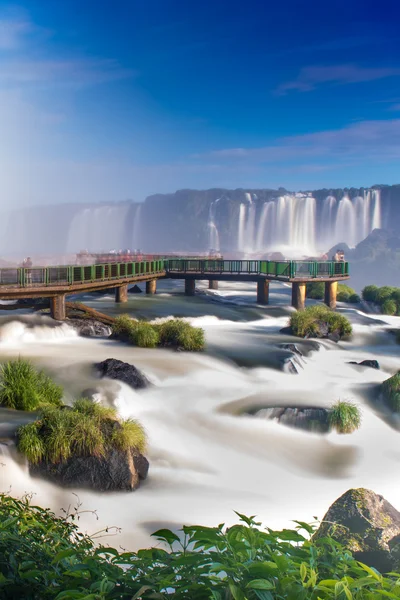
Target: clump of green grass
(389,307)
(345,417)
(180,334)
(391,392)
(306,323)
(123,326)
(23,387)
(354,298)
(86,429)
(347,294)
(370,293)
(144,335)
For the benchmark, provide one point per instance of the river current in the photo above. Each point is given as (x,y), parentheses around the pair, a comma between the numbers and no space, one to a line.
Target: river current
(207,459)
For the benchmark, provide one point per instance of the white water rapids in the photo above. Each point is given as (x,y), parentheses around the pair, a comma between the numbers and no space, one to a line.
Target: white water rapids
(205,460)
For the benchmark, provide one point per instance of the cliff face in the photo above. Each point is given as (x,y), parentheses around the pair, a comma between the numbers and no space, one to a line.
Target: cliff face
(193,220)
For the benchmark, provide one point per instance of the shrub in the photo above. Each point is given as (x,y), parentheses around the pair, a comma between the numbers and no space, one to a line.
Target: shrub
(354,298)
(180,334)
(144,335)
(389,307)
(82,430)
(46,558)
(345,417)
(346,293)
(315,290)
(391,392)
(123,326)
(23,387)
(306,323)
(384,293)
(370,293)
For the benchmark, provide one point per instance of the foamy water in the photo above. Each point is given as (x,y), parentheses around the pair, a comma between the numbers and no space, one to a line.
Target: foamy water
(205,460)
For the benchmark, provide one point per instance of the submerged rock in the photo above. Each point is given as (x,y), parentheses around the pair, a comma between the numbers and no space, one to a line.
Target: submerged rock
(122,371)
(118,470)
(367,525)
(90,327)
(308,418)
(292,348)
(135,290)
(373,364)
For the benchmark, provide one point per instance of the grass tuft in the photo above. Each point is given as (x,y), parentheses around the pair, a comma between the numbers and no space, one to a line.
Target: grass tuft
(345,417)
(23,387)
(129,434)
(144,335)
(173,333)
(306,323)
(391,392)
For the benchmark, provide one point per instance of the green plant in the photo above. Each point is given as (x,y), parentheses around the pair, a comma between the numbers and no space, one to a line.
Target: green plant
(345,417)
(306,323)
(23,387)
(43,557)
(144,335)
(86,429)
(123,326)
(180,334)
(354,298)
(370,293)
(384,293)
(315,290)
(391,392)
(389,307)
(130,434)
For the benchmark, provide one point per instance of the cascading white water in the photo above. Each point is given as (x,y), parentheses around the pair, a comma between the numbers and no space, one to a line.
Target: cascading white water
(376,215)
(242,225)
(98,229)
(213,235)
(136,234)
(345,230)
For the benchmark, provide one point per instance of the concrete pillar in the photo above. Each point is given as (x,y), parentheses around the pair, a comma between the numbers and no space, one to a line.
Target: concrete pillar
(121,293)
(331,293)
(190,287)
(151,286)
(57,307)
(298,295)
(262,291)
(213,284)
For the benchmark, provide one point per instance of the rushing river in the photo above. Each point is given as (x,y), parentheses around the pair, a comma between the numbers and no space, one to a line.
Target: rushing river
(206,460)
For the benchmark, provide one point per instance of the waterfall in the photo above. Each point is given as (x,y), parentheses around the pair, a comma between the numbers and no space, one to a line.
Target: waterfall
(345,230)
(376,215)
(98,229)
(136,233)
(213,235)
(242,224)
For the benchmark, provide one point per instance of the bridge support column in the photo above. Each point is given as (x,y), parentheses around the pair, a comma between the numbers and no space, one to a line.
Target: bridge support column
(213,284)
(298,295)
(121,293)
(57,307)
(151,286)
(190,287)
(263,291)
(331,293)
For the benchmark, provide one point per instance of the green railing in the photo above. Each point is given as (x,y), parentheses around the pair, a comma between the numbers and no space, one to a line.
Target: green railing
(73,274)
(273,269)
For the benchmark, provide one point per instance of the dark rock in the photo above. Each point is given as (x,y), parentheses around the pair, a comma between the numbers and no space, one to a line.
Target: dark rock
(286,330)
(290,367)
(334,336)
(367,525)
(373,364)
(116,369)
(322,330)
(90,327)
(118,470)
(308,418)
(292,348)
(135,290)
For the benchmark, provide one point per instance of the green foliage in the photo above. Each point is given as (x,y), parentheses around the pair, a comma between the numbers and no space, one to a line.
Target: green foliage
(23,387)
(86,429)
(315,290)
(354,298)
(384,293)
(46,558)
(370,293)
(345,417)
(391,392)
(389,307)
(346,293)
(306,323)
(129,435)
(180,334)
(173,333)
(144,335)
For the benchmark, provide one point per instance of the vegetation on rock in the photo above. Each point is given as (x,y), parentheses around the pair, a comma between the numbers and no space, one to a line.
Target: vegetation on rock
(23,387)
(316,291)
(391,392)
(345,417)
(46,558)
(386,297)
(86,429)
(175,333)
(309,322)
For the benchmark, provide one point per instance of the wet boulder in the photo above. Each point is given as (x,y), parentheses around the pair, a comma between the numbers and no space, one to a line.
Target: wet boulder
(117,470)
(308,418)
(292,348)
(373,364)
(90,328)
(367,525)
(122,371)
(135,290)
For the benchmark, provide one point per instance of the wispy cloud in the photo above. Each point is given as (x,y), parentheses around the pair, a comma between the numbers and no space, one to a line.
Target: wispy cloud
(394,107)
(13,32)
(310,77)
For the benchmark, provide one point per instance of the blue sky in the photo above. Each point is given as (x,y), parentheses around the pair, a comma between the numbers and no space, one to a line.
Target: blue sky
(104,101)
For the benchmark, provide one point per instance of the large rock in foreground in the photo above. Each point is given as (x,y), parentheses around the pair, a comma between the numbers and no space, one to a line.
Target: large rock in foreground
(122,371)
(308,418)
(118,470)
(367,525)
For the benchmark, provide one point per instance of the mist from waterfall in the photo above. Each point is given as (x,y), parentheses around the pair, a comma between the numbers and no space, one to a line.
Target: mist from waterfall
(98,229)
(136,233)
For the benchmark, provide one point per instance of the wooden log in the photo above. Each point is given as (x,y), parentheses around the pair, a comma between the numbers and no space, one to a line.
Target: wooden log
(90,312)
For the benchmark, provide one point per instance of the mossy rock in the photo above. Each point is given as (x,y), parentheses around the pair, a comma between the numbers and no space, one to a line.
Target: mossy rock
(391,392)
(368,525)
